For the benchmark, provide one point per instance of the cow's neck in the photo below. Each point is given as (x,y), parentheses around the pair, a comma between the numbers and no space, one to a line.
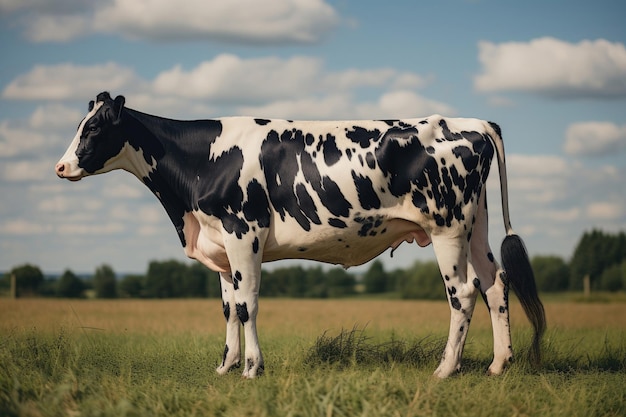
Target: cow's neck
(165,156)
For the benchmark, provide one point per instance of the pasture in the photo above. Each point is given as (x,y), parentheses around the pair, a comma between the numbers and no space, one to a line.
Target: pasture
(157,358)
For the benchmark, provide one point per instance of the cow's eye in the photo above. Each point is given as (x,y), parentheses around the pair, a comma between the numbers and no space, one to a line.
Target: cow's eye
(93,128)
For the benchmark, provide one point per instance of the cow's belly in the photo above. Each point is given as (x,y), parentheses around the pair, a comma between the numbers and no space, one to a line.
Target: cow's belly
(360,241)
(355,244)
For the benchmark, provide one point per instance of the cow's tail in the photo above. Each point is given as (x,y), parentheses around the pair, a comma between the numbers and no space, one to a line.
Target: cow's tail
(515,260)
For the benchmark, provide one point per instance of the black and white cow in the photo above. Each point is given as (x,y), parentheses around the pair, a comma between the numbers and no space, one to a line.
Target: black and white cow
(242,191)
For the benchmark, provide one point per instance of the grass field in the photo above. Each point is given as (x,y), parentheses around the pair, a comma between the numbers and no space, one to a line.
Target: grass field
(157,358)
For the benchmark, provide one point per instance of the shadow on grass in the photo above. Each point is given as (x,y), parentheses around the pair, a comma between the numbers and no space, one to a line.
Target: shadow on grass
(572,357)
(353,347)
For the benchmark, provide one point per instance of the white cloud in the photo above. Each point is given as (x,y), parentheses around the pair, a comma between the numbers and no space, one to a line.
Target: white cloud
(17,140)
(236,21)
(594,139)
(404,103)
(40,133)
(123,190)
(334,106)
(95,229)
(55,116)
(22,227)
(28,170)
(554,68)
(394,104)
(605,210)
(296,87)
(69,81)
(228,77)
(56,28)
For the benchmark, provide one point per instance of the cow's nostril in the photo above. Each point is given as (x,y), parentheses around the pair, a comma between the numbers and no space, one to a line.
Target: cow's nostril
(60,167)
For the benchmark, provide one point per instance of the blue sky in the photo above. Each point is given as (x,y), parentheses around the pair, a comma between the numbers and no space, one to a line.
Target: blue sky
(552,74)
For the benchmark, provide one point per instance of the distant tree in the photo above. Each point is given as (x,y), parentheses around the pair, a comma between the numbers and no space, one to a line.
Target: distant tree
(613,278)
(69,285)
(28,279)
(340,282)
(316,283)
(595,252)
(164,279)
(195,281)
(375,279)
(131,286)
(422,281)
(104,282)
(214,290)
(551,273)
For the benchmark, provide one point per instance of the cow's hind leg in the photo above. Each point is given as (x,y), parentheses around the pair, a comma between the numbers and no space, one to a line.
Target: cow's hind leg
(452,256)
(493,288)
(232,347)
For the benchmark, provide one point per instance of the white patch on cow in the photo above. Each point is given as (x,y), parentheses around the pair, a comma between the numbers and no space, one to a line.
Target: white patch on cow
(69,159)
(132,160)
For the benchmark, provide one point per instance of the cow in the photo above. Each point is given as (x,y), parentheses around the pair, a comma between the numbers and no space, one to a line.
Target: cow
(241,191)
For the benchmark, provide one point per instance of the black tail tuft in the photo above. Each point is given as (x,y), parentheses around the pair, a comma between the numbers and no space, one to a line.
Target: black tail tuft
(522,280)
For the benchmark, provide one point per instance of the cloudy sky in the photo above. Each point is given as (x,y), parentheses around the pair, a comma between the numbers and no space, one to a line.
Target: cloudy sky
(552,74)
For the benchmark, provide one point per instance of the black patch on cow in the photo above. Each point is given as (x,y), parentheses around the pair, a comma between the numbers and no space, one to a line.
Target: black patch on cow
(369,225)
(101,138)
(447,134)
(490,257)
(226,310)
(218,193)
(257,207)
(370,160)
(242,312)
(363,136)
(502,309)
(495,127)
(224,355)
(368,198)
(419,201)
(281,158)
(237,278)
(402,158)
(476,283)
(332,154)
(455,303)
(337,223)
(255,245)
(262,122)
(306,204)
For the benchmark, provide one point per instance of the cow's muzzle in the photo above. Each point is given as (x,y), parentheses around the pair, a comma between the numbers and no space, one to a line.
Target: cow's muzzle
(62,170)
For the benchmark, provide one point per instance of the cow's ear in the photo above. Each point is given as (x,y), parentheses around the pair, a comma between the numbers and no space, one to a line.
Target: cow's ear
(118,106)
(91,104)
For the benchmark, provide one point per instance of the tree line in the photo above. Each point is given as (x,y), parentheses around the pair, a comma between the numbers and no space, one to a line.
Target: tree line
(600,256)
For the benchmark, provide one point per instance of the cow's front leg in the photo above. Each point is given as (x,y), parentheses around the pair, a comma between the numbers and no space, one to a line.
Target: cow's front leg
(245,265)
(232,349)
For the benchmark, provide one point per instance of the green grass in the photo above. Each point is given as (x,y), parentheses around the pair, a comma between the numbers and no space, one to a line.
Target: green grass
(346,373)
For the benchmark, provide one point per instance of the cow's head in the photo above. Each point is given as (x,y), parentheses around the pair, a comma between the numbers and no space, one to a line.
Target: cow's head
(97,142)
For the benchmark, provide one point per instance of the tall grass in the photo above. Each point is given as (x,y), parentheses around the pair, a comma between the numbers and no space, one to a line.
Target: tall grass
(86,364)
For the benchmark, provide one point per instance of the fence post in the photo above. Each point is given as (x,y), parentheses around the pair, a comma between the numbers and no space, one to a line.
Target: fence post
(13,287)
(587,286)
